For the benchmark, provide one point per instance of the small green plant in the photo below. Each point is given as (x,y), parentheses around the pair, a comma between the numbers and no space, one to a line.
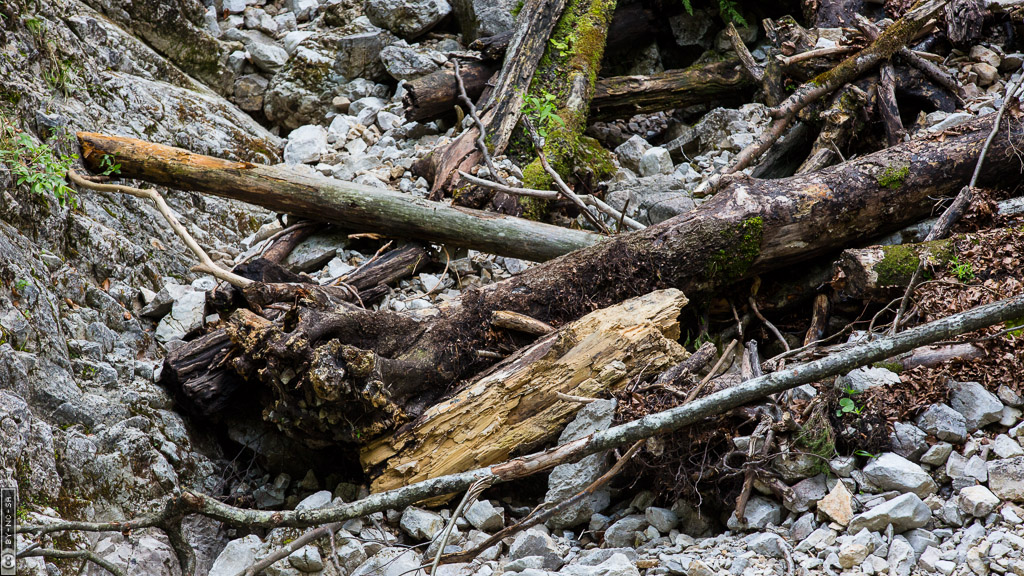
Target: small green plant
(20,285)
(108,166)
(542,111)
(848,405)
(865,454)
(962,270)
(1014,324)
(38,166)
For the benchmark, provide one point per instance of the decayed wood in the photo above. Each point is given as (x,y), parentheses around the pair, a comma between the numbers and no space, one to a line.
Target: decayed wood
(819,319)
(842,119)
(537,18)
(624,96)
(437,93)
(355,207)
(894,131)
(393,368)
(515,407)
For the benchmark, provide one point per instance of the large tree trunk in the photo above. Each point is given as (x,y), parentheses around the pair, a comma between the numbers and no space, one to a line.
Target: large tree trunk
(376,371)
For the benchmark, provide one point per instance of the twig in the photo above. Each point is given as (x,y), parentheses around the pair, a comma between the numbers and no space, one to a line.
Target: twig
(481,135)
(538,144)
(297,544)
(582,399)
(756,72)
(552,195)
(206,264)
(811,54)
(520,323)
(930,69)
(952,213)
(775,331)
(472,494)
(714,371)
(538,516)
(69,554)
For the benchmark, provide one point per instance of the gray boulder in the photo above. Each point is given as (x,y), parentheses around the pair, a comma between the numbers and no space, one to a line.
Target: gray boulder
(421,524)
(406,63)
(568,479)
(866,378)
(1006,478)
(187,314)
(904,512)
(944,423)
(236,557)
(977,501)
(358,50)
(535,542)
(407,18)
(655,161)
(978,406)
(631,152)
(482,18)
(760,513)
(484,516)
(623,533)
(908,441)
(305,145)
(894,472)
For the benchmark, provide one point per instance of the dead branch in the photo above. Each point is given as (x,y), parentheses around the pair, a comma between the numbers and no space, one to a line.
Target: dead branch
(206,264)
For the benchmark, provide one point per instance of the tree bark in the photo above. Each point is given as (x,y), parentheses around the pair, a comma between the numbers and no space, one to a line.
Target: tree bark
(354,207)
(437,93)
(380,370)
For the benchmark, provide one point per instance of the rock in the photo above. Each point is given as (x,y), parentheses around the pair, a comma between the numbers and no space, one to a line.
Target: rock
(187,314)
(407,18)
(766,544)
(760,513)
(951,121)
(937,454)
(164,300)
(977,501)
(390,562)
(525,563)
(987,74)
(306,559)
(1006,478)
(405,63)
(978,406)
(316,500)
(305,145)
(359,50)
(843,466)
(237,556)
(1009,396)
(566,480)
(807,493)
(867,377)
(837,504)
(663,519)
(617,564)
(697,29)
(986,55)
(421,524)
(908,441)
(920,539)
(901,558)
(304,10)
(249,91)
(267,56)
(944,423)
(699,568)
(904,512)
(622,534)
(535,542)
(484,516)
(483,18)
(852,555)
(365,109)
(631,152)
(655,161)
(893,472)
(1006,447)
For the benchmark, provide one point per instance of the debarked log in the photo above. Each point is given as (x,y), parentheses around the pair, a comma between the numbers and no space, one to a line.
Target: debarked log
(354,207)
(515,407)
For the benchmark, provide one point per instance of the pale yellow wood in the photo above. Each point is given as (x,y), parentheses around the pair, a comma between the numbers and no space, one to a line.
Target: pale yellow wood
(515,406)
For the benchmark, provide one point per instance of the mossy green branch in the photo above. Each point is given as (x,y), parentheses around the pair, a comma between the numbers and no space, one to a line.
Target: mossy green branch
(900,261)
(893,176)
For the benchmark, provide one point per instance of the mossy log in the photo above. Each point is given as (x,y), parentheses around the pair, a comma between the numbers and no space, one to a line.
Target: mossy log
(514,407)
(883,272)
(344,374)
(566,77)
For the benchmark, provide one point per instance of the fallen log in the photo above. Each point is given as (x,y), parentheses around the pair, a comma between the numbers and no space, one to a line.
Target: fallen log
(381,370)
(881,272)
(437,93)
(354,207)
(515,407)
